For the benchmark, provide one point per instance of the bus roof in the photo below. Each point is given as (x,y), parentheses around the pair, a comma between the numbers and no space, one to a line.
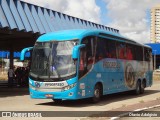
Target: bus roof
(79,34)
(63,35)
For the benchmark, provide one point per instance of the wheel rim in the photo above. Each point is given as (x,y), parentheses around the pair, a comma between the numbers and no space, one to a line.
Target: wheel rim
(97,93)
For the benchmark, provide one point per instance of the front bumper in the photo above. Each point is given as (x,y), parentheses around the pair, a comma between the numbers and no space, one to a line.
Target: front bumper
(70,94)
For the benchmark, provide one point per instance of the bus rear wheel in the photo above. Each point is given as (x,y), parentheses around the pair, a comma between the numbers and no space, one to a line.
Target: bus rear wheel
(97,94)
(138,88)
(142,87)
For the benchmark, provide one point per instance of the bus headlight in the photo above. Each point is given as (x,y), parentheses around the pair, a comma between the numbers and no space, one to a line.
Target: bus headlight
(68,87)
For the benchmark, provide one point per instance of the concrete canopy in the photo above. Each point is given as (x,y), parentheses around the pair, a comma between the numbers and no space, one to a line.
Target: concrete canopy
(16,40)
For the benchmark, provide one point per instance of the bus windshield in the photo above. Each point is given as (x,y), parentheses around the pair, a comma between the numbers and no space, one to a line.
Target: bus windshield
(53,60)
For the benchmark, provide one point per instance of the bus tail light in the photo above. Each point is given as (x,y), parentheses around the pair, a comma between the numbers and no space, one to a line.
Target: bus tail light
(68,87)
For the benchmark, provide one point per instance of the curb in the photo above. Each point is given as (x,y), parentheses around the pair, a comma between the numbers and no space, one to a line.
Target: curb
(145,108)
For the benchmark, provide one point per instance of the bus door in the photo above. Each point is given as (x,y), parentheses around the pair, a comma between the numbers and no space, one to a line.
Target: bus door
(86,62)
(82,63)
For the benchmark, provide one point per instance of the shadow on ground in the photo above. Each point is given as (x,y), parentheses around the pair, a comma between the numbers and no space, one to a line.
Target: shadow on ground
(15,91)
(105,99)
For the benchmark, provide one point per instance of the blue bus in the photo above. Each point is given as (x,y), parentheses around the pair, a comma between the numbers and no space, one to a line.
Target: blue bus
(77,64)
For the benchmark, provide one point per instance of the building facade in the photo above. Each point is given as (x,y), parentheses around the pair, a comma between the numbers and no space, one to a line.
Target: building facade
(155,24)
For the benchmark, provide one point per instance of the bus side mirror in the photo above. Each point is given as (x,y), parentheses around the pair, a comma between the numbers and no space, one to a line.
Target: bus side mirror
(75,52)
(23,52)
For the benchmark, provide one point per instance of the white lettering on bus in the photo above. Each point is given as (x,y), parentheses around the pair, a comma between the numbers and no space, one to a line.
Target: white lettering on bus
(111,64)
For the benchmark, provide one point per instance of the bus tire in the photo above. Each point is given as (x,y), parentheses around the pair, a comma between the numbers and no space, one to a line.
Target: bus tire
(142,87)
(138,88)
(57,100)
(97,94)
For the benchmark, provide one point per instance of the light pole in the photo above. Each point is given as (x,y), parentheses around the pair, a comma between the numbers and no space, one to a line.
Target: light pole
(154,59)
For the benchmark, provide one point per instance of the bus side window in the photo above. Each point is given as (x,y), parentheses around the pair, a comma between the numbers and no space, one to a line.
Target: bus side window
(90,52)
(147,54)
(121,50)
(129,52)
(150,55)
(139,53)
(101,49)
(111,49)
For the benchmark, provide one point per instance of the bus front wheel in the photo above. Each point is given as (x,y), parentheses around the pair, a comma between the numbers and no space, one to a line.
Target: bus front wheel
(97,94)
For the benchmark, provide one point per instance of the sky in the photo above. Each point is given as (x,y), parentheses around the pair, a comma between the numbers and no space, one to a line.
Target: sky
(130,17)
